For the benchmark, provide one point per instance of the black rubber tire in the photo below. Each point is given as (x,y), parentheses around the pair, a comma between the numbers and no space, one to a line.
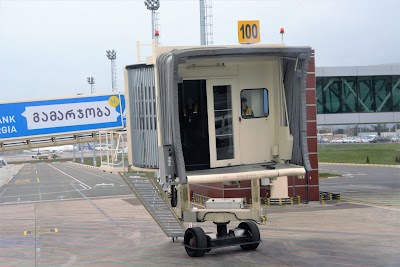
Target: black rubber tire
(253,232)
(195,237)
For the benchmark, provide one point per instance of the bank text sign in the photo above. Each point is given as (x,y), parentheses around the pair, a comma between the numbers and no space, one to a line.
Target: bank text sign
(59,116)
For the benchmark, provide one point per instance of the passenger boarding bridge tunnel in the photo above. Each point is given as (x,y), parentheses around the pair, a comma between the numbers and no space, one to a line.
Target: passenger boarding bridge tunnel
(358,95)
(220,115)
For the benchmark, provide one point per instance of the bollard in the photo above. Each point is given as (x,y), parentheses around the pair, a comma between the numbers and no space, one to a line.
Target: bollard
(330,196)
(280,202)
(338,199)
(244,200)
(268,201)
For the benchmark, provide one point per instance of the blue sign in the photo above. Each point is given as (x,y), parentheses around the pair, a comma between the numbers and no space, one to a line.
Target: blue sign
(59,116)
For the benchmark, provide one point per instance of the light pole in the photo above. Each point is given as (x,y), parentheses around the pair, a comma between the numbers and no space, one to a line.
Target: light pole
(90,80)
(112,55)
(152,5)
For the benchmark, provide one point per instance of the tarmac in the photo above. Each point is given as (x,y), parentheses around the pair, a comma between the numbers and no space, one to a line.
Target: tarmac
(118,231)
(8,171)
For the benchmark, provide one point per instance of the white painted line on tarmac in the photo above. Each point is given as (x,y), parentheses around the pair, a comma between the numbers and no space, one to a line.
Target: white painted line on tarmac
(61,198)
(85,186)
(97,175)
(3,191)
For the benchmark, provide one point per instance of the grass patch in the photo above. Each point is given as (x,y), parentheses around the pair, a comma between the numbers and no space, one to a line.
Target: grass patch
(327,175)
(358,153)
(89,160)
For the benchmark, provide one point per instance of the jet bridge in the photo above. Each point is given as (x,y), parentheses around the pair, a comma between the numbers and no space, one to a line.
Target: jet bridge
(223,114)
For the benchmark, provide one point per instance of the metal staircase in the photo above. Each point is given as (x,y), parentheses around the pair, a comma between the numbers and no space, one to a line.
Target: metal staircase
(154,200)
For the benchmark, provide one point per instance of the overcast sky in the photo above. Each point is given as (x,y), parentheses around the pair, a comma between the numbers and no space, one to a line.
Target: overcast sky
(49,48)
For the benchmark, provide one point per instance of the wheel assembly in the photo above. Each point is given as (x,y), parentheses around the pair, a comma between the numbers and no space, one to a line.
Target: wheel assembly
(197,243)
(252,233)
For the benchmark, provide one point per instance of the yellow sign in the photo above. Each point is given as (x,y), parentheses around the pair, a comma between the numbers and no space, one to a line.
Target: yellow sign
(113,101)
(249,31)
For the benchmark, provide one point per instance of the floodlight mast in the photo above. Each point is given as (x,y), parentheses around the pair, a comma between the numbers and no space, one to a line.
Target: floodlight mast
(112,56)
(90,80)
(152,5)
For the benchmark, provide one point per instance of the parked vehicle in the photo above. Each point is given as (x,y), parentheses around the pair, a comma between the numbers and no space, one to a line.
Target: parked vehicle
(41,156)
(379,139)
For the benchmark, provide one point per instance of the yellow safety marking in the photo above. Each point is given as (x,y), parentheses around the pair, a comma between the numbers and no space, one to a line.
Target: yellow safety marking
(9,179)
(25,173)
(37,179)
(370,203)
(41,231)
(22,181)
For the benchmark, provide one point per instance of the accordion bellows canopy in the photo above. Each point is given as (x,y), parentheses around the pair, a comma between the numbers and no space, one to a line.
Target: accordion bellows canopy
(294,79)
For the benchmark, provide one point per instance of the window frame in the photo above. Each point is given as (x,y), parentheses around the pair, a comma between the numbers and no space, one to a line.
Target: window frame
(263,105)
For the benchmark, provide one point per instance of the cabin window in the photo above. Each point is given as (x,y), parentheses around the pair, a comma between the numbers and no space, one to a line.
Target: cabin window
(254,103)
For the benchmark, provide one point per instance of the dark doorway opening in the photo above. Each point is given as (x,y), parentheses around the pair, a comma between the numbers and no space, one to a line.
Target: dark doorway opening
(193,120)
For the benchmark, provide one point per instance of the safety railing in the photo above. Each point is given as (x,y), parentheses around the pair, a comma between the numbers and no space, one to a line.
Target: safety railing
(199,199)
(295,200)
(328,196)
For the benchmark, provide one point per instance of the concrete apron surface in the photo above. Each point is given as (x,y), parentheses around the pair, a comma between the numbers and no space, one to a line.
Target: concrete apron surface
(119,232)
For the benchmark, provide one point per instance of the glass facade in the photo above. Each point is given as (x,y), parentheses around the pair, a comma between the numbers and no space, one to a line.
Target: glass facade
(358,94)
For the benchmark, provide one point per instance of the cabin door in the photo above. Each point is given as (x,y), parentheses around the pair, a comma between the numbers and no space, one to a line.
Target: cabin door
(223,127)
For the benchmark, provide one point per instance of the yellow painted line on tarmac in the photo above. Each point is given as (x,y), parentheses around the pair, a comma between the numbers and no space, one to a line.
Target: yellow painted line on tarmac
(41,231)
(22,181)
(371,204)
(37,178)
(9,179)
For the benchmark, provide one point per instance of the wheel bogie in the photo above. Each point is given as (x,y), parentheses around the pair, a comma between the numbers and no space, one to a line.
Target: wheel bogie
(197,243)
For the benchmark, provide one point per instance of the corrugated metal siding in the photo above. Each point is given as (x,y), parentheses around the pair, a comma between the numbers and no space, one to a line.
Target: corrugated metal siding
(143,116)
